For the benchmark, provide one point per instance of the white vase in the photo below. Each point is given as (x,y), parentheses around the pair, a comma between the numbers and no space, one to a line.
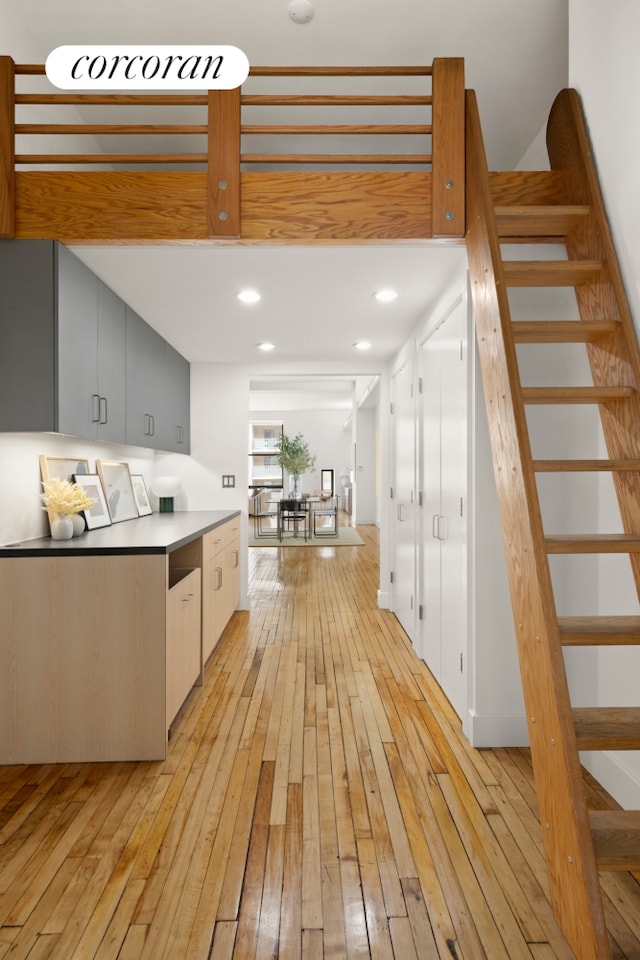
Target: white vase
(77,521)
(61,528)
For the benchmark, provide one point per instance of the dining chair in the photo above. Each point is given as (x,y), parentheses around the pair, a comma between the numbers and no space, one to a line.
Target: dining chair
(325,518)
(293,515)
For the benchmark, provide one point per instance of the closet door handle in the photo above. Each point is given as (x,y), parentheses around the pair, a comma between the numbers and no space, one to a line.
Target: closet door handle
(443,528)
(95,408)
(434,526)
(401,507)
(104,406)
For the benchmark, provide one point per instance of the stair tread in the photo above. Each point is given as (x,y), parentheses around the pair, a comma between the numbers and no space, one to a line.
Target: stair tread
(616,839)
(578,466)
(561,331)
(593,543)
(576,394)
(599,631)
(550,273)
(537,220)
(607,728)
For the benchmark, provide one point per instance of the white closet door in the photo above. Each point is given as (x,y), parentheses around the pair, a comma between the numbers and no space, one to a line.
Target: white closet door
(454,473)
(404,523)
(443,634)
(428,646)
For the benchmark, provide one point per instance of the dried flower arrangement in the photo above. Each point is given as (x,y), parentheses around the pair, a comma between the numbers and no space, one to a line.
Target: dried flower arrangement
(63,498)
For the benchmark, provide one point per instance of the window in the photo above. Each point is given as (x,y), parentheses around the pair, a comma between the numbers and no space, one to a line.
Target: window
(264,440)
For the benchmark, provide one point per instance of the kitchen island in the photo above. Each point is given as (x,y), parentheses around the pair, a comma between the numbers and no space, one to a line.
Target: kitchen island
(102,637)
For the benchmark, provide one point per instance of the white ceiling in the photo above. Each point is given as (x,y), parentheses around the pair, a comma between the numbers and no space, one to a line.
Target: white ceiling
(317,301)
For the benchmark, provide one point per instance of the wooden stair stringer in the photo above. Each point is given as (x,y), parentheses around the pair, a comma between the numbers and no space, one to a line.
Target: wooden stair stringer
(614,359)
(566,829)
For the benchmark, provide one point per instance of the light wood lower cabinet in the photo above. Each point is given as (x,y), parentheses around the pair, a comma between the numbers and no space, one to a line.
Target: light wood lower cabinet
(99,652)
(82,658)
(221,582)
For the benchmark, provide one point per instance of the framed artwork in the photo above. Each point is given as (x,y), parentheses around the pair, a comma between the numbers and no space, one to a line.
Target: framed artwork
(140,494)
(118,489)
(98,515)
(65,468)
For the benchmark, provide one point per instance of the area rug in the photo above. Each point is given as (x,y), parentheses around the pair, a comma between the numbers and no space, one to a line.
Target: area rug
(347,537)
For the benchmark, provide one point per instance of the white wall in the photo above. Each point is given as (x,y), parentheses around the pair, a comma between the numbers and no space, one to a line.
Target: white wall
(366,465)
(603,68)
(21,515)
(219,444)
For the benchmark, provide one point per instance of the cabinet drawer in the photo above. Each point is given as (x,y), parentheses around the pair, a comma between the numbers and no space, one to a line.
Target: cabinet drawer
(216,540)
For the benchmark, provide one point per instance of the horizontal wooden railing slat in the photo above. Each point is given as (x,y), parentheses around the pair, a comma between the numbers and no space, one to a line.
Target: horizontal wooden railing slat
(38,69)
(119,129)
(200,100)
(32,159)
(277,158)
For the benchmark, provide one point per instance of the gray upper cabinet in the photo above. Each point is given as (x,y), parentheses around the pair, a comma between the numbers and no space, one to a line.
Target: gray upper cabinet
(157,389)
(75,359)
(112,370)
(176,420)
(27,336)
(145,359)
(91,354)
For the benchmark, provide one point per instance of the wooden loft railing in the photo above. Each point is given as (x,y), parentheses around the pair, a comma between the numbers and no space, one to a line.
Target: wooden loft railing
(229,193)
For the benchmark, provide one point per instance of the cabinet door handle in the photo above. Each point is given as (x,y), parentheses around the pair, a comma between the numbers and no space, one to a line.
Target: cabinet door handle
(443,528)
(180,434)
(219,583)
(434,528)
(147,425)
(236,559)
(95,408)
(153,424)
(104,406)
(188,597)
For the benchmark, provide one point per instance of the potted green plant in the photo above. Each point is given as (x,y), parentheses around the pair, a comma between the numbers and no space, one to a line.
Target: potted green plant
(295,459)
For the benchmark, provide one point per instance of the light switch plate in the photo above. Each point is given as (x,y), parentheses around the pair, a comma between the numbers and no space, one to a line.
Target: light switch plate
(228,480)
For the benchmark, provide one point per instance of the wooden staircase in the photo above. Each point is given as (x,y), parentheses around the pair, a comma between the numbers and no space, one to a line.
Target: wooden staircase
(560,206)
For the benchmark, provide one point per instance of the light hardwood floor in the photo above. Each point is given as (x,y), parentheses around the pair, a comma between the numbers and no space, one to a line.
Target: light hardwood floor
(319,800)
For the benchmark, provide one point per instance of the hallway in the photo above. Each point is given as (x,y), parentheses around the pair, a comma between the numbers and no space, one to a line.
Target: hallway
(318,800)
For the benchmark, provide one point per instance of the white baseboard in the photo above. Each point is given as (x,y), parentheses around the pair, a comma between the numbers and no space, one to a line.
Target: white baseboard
(496,730)
(384,600)
(616,775)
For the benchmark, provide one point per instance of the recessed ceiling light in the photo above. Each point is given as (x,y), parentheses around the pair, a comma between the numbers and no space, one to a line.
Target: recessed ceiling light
(266,346)
(362,345)
(385,296)
(249,296)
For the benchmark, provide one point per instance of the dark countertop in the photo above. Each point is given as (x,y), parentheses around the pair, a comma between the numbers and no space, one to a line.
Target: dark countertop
(157,533)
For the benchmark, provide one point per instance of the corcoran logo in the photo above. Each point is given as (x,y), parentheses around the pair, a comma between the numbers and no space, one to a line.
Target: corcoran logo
(147,67)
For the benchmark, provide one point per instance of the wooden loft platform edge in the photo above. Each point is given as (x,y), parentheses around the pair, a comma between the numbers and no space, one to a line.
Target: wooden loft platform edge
(154,207)
(225,203)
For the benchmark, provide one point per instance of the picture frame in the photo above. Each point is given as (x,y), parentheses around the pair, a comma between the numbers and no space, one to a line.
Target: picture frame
(64,468)
(118,489)
(141,496)
(98,515)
